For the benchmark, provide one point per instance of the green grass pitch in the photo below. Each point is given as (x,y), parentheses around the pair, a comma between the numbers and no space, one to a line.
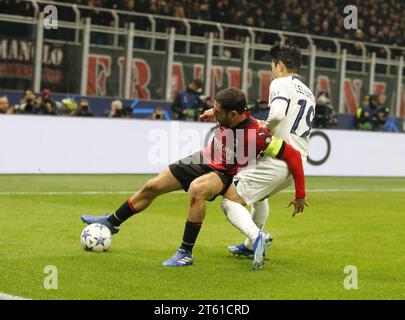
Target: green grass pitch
(364,227)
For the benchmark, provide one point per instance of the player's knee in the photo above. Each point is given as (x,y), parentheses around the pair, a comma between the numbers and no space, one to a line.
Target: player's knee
(198,191)
(261,205)
(151,187)
(225,205)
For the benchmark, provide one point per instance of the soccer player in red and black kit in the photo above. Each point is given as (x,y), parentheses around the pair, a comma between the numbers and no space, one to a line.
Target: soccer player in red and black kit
(208,173)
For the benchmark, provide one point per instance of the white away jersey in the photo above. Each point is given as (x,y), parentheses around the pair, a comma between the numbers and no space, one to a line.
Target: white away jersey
(292,109)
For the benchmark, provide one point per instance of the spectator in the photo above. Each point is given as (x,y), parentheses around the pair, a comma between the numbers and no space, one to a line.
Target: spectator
(385,36)
(186,103)
(45,104)
(381,114)
(118,111)
(380,20)
(98,17)
(325,45)
(373,114)
(359,37)
(69,107)
(325,115)
(372,35)
(304,24)
(83,110)
(364,115)
(285,23)
(158,114)
(28,104)
(5,107)
(115,110)
(260,20)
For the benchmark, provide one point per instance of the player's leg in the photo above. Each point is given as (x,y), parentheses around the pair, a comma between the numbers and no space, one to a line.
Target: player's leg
(239,216)
(163,183)
(250,186)
(234,208)
(203,188)
(259,212)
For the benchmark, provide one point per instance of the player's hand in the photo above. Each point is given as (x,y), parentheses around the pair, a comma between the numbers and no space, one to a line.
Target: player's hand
(299,205)
(262,123)
(208,115)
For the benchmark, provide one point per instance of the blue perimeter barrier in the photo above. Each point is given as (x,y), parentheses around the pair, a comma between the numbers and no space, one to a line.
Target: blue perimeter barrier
(143,109)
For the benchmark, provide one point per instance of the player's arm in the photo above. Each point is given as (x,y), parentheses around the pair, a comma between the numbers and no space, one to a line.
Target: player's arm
(208,115)
(278,111)
(278,103)
(279,149)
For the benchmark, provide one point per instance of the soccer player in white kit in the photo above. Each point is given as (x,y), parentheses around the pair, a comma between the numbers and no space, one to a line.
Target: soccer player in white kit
(292,108)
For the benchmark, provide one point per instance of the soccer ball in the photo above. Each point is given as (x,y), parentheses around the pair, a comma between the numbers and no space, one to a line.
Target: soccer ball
(96,237)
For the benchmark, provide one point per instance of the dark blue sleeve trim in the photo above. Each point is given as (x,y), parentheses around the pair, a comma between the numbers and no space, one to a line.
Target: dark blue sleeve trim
(281,98)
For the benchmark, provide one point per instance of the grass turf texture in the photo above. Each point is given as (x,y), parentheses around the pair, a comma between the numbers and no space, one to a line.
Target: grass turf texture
(307,257)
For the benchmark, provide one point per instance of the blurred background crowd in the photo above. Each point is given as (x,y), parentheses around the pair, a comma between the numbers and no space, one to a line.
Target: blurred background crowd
(380,21)
(372,114)
(44,104)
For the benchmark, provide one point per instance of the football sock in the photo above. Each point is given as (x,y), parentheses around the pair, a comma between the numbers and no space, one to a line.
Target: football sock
(191,231)
(124,212)
(260,212)
(240,217)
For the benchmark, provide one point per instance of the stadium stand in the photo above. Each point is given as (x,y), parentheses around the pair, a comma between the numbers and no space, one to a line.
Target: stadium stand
(379,39)
(380,21)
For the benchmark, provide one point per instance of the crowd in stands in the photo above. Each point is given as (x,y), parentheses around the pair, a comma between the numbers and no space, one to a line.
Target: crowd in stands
(379,21)
(43,104)
(373,115)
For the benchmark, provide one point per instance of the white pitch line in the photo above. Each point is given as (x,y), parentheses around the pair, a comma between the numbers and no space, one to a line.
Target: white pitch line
(5,296)
(51,193)
(355,190)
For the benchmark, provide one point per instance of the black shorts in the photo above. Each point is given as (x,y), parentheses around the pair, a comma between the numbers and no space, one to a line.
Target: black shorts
(190,168)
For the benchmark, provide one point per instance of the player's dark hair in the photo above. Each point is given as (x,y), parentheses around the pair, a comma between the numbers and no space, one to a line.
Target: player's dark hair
(287,53)
(231,99)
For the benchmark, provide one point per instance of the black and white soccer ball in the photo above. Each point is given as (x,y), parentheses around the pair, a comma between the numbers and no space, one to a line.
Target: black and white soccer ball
(96,237)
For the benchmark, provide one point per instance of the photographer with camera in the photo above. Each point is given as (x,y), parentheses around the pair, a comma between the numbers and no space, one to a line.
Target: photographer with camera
(158,114)
(5,107)
(28,105)
(84,109)
(203,105)
(117,110)
(187,104)
(373,114)
(325,115)
(45,104)
(363,119)
(381,114)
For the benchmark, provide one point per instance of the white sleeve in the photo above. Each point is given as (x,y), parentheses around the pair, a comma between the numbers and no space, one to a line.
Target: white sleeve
(278,110)
(278,103)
